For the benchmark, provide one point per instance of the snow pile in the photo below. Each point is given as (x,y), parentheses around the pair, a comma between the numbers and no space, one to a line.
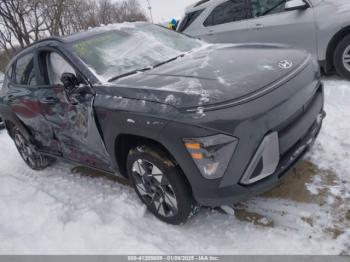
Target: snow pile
(58,212)
(332,149)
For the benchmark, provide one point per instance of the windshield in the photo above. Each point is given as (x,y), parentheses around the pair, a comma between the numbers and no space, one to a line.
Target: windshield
(115,52)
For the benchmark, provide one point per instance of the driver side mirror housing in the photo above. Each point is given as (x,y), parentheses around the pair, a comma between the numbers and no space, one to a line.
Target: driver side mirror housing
(75,90)
(296,5)
(70,81)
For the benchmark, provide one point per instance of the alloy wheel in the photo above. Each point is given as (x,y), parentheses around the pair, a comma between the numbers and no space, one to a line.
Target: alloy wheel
(25,150)
(346,58)
(154,188)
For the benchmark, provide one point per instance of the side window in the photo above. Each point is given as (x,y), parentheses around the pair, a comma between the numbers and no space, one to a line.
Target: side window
(188,20)
(9,72)
(267,7)
(24,71)
(57,65)
(230,11)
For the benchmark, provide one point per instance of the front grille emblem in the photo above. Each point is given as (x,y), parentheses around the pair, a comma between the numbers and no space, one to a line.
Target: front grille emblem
(285,64)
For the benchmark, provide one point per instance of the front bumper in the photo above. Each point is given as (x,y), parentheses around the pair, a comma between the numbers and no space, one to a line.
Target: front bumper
(233,194)
(295,136)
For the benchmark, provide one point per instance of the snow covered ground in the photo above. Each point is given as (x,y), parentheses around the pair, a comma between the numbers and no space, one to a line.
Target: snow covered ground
(61,212)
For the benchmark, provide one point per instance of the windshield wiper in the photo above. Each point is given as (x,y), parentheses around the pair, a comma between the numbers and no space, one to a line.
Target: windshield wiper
(144,69)
(129,73)
(272,8)
(169,60)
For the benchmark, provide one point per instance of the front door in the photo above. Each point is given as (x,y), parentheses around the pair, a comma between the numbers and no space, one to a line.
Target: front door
(271,23)
(73,123)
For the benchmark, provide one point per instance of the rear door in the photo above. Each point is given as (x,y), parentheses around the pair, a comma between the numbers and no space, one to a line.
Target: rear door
(270,23)
(223,23)
(23,89)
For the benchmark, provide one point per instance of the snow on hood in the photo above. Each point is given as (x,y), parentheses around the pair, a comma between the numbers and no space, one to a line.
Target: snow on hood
(214,74)
(118,49)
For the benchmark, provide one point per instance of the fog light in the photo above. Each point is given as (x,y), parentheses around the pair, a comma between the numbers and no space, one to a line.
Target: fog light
(211,154)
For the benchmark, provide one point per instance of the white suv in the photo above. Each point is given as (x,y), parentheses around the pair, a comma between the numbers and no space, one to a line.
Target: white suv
(320,26)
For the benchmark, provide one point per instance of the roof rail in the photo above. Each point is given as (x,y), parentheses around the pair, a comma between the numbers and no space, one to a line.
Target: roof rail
(201,2)
(52,38)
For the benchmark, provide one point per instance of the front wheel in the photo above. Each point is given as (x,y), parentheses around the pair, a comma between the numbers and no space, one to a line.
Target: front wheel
(342,58)
(29,154)
(160,184)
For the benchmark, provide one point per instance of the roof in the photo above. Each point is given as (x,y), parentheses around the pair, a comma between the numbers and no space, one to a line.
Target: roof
(101,29)
(85,34)
(80,35)
(48,39)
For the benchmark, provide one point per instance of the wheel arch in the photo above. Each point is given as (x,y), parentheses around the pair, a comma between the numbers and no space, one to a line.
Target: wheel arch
(11,121)
(125,142)
(340,35)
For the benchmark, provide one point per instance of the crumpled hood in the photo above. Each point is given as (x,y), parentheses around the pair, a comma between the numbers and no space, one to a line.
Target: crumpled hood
(214,74)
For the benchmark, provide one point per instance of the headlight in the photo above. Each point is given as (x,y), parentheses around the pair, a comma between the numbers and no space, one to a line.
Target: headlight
(211,154)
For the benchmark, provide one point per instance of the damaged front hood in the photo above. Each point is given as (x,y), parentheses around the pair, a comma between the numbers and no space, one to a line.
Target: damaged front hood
(214,74)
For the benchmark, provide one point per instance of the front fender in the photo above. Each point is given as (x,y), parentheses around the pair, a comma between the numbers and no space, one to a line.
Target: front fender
(118,115)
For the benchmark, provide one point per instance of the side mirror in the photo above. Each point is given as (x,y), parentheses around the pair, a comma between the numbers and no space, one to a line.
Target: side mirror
(76,92)
(296,5)
(70,81)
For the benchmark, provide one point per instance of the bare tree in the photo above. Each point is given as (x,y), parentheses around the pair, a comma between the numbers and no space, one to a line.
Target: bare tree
(130,11)
(25,21)
(6,37)
(105,12)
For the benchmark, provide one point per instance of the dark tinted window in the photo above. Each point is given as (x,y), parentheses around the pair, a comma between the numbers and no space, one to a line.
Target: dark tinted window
(230,11)
(189,19)
(24,72)
(266,7)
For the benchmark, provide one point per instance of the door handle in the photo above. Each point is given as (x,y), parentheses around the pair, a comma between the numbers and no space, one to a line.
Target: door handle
(259,26)
(211,32)
(50,100)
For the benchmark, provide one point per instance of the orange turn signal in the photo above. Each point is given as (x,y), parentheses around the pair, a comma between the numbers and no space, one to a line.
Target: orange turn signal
(195,146)
(197,156)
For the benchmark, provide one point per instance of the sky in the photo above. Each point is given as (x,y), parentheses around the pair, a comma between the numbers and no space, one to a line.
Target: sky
(165,10)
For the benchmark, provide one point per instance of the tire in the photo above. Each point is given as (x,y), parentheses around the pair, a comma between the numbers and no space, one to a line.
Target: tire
(2,124)
(29,154)
(160,184)
(341,53)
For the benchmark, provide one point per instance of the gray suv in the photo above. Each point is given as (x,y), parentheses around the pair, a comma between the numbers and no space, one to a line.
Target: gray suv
(184,124)
(320,26)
